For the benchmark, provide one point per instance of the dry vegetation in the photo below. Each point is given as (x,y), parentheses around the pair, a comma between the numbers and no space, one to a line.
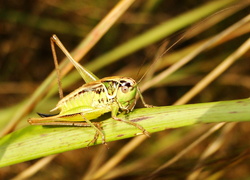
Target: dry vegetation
(26,61)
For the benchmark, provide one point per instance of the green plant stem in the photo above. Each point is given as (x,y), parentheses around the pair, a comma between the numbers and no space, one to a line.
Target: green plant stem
(38,141)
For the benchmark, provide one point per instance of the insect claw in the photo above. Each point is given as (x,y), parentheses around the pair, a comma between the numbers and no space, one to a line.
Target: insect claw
(106,145)
(146,133)
(148,106)
(91,142)
(104,141)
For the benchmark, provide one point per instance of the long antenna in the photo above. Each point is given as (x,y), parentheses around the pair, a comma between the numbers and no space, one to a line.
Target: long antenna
(164,52)
(182,37)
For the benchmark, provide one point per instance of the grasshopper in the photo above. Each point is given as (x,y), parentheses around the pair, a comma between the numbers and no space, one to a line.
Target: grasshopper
(91,100)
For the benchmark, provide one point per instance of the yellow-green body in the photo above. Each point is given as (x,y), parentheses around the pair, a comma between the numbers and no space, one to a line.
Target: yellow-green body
(98,96)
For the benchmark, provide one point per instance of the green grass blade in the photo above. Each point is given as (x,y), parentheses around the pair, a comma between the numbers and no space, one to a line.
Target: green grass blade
(37,141)
(85,45)
(157,33)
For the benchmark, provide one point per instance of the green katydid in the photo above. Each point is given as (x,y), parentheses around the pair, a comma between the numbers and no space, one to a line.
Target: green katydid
(91,100)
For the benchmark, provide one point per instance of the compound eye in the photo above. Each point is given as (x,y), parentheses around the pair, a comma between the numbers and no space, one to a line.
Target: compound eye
(125,89)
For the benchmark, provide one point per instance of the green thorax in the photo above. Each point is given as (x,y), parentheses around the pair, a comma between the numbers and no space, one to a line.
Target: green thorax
(100,95)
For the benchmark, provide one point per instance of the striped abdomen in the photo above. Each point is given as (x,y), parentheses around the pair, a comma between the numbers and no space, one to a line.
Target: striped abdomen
(89,97)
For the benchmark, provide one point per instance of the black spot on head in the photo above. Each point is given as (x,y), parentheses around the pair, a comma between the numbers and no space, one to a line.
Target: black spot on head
(125,83)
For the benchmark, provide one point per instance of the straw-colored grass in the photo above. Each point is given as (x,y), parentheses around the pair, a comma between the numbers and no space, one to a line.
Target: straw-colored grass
(207,62)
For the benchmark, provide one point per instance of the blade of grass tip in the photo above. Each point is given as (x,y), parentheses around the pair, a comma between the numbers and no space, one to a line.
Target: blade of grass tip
(90,40)
(215,73)
(191,55)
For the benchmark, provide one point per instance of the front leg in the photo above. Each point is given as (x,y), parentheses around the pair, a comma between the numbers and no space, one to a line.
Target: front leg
(97,127)
(114,116)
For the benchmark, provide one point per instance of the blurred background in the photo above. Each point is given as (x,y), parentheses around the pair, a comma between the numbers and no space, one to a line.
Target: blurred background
(26,60)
